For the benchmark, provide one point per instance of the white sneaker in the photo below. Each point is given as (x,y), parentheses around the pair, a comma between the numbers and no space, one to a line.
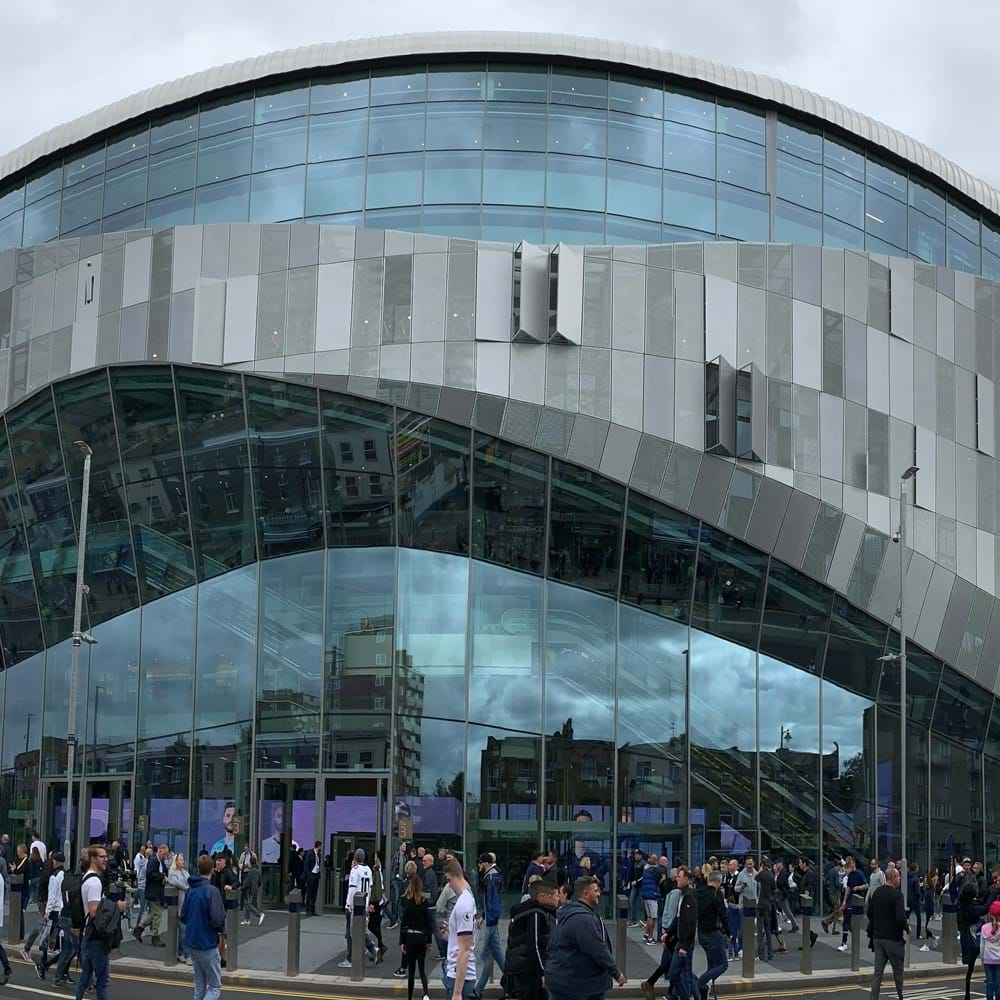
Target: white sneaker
(925,947)
(426,997)
(842,947)
(260,920)
(344,965)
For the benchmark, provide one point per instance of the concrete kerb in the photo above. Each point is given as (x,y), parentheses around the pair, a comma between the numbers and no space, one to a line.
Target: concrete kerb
(764,984)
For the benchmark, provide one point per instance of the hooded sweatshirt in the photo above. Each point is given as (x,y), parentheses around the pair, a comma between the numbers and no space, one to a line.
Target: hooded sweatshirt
(580,962)
(990,944)
(203,915)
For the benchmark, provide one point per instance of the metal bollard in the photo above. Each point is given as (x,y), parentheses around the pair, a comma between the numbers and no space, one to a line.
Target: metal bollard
(294,900)
(232,929)
(621,934)
(949,933)
(15,924)
(857,904)
(805,920)
(359,946)
(170,937)
(749,937)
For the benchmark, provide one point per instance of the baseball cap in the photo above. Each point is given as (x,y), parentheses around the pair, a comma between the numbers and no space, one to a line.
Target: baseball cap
(995,908)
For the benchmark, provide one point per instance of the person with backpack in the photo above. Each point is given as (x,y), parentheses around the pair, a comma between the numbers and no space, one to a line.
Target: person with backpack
(72,920)
(53,912)
(531,925)
(204,919)
(102,926)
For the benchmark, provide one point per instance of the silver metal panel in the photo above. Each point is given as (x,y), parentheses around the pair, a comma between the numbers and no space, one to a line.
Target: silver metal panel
(527,373)
(209,322)
(901,379)
(187,257)
(494,277)
(658,396)
(628,306)
(918,578)
(492,368)
(848,543)
(138,258)
(985,438)
(721,319)
(711,488)
(901,297)
(626,389)
(241,320)
(334,293)
(796,528)
(935,604)
(531,296)
(84,349)
(620,449)
(430,281)
(569,295)
(954,620)
(768,513)
(807,330)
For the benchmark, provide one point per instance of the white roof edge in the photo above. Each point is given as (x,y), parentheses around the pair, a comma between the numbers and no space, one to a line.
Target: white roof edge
(510,43)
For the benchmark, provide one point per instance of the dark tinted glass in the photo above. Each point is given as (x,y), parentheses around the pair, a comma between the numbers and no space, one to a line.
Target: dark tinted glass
(659,558)
(855,644)
(284,442)
(433,459)
(508,520)
(166,666)
(55,710)
(112,690)
(515,83)
(213,432)
(359,471)
(22,732)
(962,710)
(796,616)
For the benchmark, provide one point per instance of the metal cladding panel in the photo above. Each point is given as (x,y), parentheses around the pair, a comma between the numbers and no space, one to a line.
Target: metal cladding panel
(768,513)
(956,616)
(494,276)
(796,528)
(531,294)
(569,300)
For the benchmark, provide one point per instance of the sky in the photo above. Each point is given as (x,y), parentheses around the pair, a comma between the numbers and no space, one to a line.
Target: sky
(925,68)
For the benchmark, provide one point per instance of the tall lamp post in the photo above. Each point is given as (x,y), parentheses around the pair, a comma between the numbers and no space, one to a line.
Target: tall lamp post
(78,637)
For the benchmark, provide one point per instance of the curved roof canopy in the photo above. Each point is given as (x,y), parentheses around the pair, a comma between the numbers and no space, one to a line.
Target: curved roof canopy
(510,44)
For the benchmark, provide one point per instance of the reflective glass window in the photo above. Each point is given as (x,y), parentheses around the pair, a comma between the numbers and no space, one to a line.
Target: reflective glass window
(394,180)
(741,123)
(885,217)
(508,519)
(334,187)
(221,779)
(844,200)
(275,103)
(962,255)
(515,83)
(82,204)
(163,789)
(456,83)
(175,130)
(743,215)
(454,126)
(635,96)
(10,231)
(839,234)
(634,190)
(339,93)
(22,733)
(511,225)
(741,162)
(391,218)
(431,614)
(166,666)
(213,433)
(637,139)
(43,184)
(227,201)
(338,136)
(689,149)
(927,238)
(796,617)
(453,178)
(84,166)
(41,221)
(516,126)
(582,132)
(793,224)
(729,587)
(927,201)
(991,240)
(885,179)
(955,812)
(630,231)
(277,195)
(585,528)
(514,178)
(574,227)
(991,263)
(689,201)
(855,643)
(223,156)
(290,661)
(800,181)
(226,115)
(575,182)
(396,129)
(11,201)
(389,87)
(800,142)
(284,449)
(125,187)
(358,657)
(964,223)
(131,218)
(279,144)
(583,89)
(130,147)
(689,108)
(112,690)
(433,459)
(962,710)
(844,159)
(175,210)
(171,172)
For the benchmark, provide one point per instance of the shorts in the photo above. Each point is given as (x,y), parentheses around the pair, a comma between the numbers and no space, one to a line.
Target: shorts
(651,907)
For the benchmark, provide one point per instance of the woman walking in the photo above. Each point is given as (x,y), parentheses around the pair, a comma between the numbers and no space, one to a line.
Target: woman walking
(250,888)
(376,899)
(177,876)
(415,931)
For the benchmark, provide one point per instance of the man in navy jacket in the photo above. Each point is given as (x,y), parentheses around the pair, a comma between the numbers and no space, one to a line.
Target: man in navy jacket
(204,918)
(489,880)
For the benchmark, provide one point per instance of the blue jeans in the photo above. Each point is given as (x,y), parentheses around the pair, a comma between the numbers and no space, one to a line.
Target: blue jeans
(681,976)
(468,988)
(95,963)
(735,930)
(992,981)
(715,953)
(491,952)
(70,946)
(182,950)
(207,968)
(635,906)
(395,891)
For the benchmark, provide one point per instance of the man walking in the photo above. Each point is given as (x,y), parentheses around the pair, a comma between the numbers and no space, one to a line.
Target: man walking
(97,940)
(888,926)
(490,880)
(531,924)
(53,913)
(460,964)
(765,901)
(580,963)
(156,877)
(397,875)
(312,862)
(359,889)
(204,918)
(712,923)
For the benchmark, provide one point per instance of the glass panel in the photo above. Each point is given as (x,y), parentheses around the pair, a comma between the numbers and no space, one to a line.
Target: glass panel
(220,785)
(130,147)
(224,116)
(125,187)
(290,663)
(723,812)
(511,225)
(585,528)
(574,227)
(927,240)
(335,187)
(575,182)
(741,163)
(743,215)
(171,171)
(227,201)
(22,737)
(81,205)
(55,710)
(278,195)
(797,225)
(927,201)
(284,434)
(886,180)
(515,83)
(581,132)
(395,180)
(11,201)
(689,202)
(166,667)
(339,94)
(635,96)
(275,103)
(279,144)
(515,126)
(689,149)
(338,136)
(41,221)
(154,483)
(454,126)
(177,210)
(453,178)
(800,142)
(430,639)
(587,90)
(176,130)
(163,790)
(634,191)
(215,451)
(132,218)
(358,658)
(42,185)
(800,181)
(112,696)
(885,217)
(843,159)
(796,618)
(690,108)
(741,123)
(456,83)
(955,797)
(630,231)
(396,129)
(84,166)
(962,255)
(962,710)
(844,199)
(398,88)
(639,140)
(433,461)
(508,521)
(10,231)
(224,156)
(452,220)
(505,683)
(837,234)
(514,178)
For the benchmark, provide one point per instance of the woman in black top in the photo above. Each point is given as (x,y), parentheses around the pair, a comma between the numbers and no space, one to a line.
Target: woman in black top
(415,931)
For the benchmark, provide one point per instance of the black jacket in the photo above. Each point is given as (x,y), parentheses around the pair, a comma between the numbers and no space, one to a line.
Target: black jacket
(712,914)
(309,863)
(765,887)
(806,881)
(886,916)
(156,876)
(226,879)
(414,919)
(528,938)
(781,885)
(687,919)
(579,961)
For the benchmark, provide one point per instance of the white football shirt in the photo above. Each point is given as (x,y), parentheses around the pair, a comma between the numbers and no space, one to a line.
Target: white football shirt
(462,922)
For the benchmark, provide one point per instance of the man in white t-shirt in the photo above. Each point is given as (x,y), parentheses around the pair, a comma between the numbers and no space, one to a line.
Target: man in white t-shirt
(37,841)
(95,955)
(460,965)
(359,888)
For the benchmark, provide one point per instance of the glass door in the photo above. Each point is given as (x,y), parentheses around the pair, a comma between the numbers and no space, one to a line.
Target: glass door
(354,816)
(53,818)
(107,811)
(286,816)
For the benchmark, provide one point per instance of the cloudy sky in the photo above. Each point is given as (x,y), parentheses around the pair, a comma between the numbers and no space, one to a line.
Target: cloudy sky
(923,67)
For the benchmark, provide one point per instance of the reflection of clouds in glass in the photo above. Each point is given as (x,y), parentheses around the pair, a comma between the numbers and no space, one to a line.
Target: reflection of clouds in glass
(843,722)
(788,702)
(442,750)
(723,694)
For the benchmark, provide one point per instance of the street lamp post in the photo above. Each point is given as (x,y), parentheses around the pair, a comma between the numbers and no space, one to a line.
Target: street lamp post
(78,637)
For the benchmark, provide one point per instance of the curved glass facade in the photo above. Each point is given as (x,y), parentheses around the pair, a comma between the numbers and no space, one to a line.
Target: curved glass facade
(500,151)
(291,582)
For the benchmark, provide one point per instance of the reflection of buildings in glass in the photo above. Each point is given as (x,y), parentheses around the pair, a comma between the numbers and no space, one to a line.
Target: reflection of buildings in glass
(363,477)
(848,783)
(410,709)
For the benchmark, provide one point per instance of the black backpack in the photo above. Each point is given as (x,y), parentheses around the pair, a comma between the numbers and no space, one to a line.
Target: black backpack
(72,890)
(105,925)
